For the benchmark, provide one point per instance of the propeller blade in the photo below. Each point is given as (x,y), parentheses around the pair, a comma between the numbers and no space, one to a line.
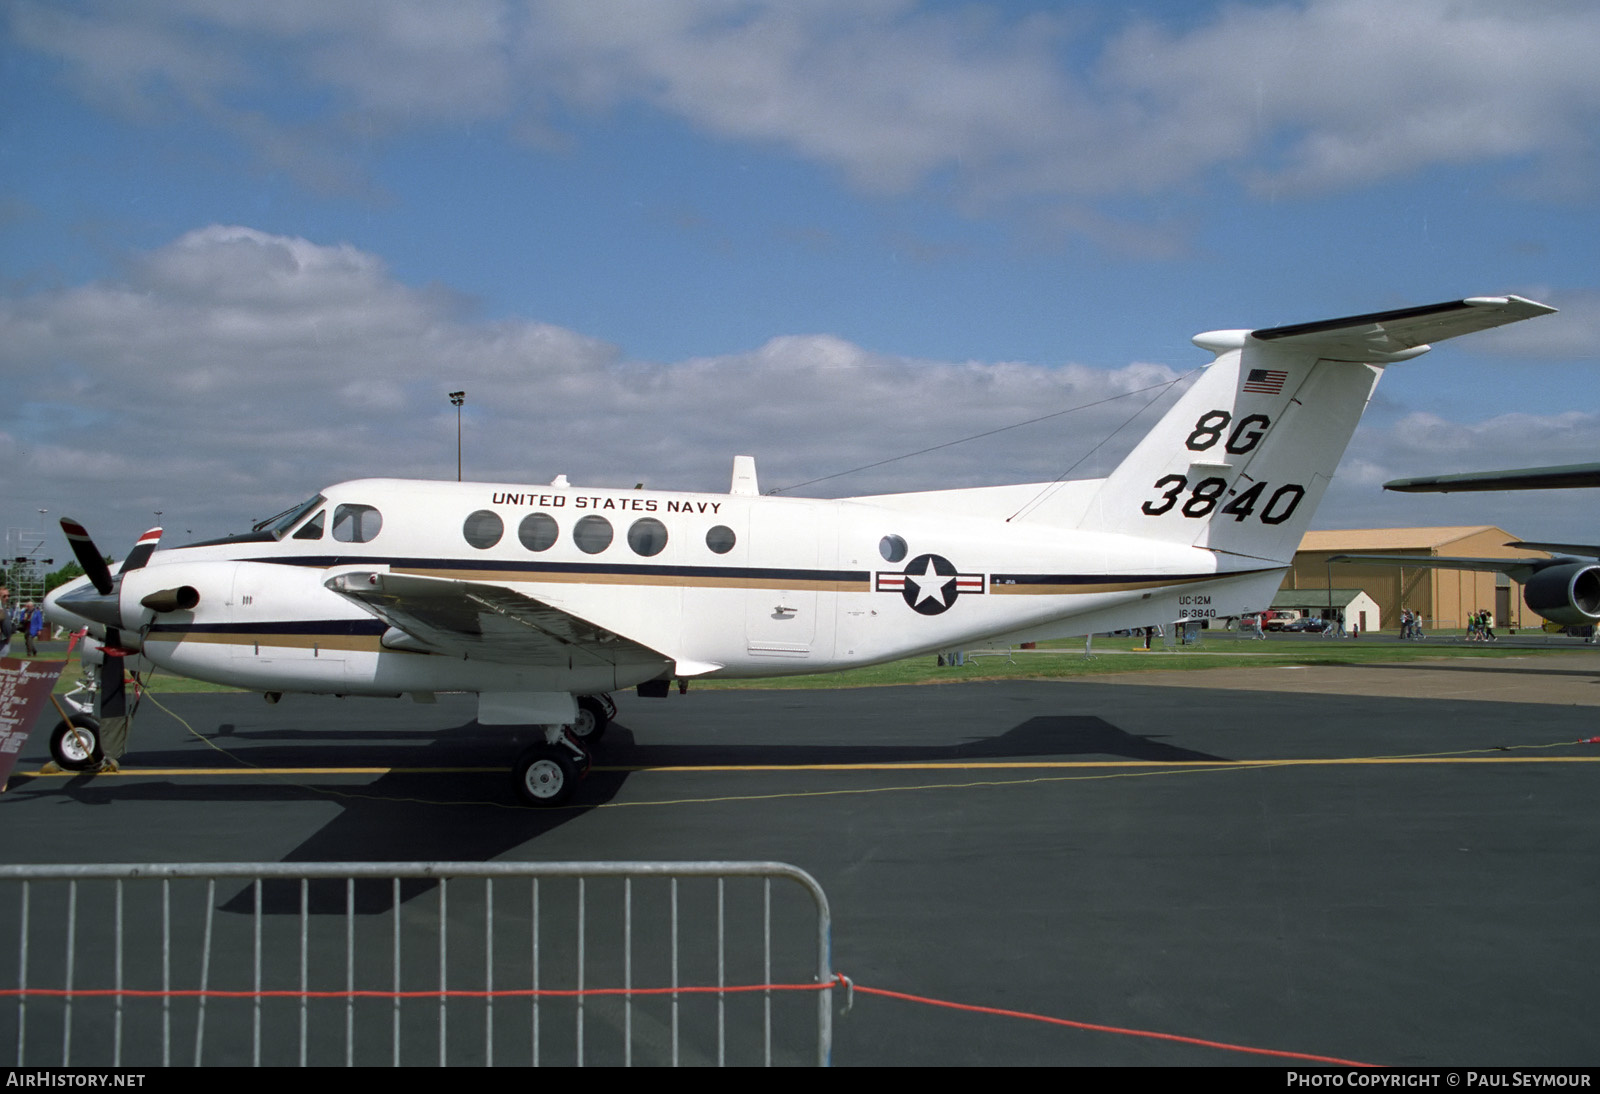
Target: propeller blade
(89,557)
(141,551)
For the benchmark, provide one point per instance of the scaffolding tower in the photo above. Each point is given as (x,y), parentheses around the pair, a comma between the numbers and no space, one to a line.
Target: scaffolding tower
(25,565)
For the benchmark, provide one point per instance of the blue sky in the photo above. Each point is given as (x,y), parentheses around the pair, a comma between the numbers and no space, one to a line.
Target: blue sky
(245,250)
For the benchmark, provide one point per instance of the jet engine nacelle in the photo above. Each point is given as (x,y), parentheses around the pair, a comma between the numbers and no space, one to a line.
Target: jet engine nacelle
(1568,594)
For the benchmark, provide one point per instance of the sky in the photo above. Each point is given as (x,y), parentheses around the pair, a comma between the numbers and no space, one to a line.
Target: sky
(247,250)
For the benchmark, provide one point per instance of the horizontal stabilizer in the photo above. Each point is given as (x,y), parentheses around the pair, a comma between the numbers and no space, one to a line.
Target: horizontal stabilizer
(1390,334)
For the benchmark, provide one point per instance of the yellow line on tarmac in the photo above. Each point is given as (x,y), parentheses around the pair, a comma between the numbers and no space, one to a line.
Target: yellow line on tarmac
(942,765)
(1023,765)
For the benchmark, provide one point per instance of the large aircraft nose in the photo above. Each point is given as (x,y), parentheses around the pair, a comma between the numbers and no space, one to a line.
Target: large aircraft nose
(77,602)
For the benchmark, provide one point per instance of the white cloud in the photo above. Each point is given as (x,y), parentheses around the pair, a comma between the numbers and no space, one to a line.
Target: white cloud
(399,62)
(981,101)
(1358,90)
(1323,94)
(232,370)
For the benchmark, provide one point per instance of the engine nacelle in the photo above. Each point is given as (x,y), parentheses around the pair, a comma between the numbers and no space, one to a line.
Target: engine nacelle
(1568,594)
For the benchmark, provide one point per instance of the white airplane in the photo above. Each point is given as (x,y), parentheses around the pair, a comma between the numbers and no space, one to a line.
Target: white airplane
(544,599)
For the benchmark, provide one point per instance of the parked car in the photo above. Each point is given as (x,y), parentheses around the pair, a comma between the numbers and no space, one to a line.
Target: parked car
(1308,625)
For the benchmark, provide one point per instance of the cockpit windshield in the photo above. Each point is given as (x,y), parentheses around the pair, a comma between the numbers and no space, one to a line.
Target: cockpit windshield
(279,525)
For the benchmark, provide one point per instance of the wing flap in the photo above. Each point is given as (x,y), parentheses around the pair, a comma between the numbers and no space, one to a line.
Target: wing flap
(490,622)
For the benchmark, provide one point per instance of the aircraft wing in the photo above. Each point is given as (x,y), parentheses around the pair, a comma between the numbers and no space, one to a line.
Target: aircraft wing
(1562,590)
(1526,567)
(490,622)
(1528,478)
(1583,550)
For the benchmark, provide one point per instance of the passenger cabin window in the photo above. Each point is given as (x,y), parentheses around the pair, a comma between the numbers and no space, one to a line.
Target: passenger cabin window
(312,529)
(647,536)
(592,534)
(892,548)
(538,531)
(483,529)
(721,539)
(356,523)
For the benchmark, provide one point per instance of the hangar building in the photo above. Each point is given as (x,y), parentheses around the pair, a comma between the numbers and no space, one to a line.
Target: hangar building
(1444,597)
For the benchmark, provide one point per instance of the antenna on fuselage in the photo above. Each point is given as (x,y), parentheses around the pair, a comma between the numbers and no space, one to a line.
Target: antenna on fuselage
(744,476)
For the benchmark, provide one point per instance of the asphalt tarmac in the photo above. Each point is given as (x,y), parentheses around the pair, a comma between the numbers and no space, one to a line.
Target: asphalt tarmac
(1384,864)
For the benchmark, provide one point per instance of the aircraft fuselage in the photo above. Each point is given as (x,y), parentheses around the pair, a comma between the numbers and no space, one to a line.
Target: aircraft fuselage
(724,585)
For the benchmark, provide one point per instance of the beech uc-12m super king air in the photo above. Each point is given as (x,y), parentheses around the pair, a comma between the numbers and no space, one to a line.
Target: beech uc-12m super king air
(542,600)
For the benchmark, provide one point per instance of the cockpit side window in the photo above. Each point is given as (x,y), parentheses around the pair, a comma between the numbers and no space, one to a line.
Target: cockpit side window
(312,529)
(356,523)
(280,524)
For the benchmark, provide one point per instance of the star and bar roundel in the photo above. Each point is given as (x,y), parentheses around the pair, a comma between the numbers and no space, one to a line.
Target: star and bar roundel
(929,583)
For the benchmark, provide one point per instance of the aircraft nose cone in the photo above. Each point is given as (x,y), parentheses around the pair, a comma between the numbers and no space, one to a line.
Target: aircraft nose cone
(79,599)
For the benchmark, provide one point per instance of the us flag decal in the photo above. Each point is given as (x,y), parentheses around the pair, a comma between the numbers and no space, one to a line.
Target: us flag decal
(1265,381)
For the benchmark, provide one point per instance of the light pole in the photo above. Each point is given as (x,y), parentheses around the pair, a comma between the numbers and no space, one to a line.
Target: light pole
(456,399)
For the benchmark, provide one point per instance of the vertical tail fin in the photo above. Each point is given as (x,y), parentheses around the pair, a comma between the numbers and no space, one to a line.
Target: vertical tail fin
(1241,462)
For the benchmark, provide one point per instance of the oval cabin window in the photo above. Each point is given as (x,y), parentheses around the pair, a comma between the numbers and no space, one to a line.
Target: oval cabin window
(592,534)
(538,531)
(647,536)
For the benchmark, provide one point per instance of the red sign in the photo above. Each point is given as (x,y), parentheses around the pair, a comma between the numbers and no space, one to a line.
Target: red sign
(24,689)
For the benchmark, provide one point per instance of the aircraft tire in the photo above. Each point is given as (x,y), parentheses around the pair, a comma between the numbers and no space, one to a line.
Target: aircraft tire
(75,744)
(546,775)
(592,720)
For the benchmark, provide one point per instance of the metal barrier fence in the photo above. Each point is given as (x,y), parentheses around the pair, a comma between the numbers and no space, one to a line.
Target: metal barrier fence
(403,963)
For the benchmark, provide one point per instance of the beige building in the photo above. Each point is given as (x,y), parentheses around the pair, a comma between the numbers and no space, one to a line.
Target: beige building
(1444,597)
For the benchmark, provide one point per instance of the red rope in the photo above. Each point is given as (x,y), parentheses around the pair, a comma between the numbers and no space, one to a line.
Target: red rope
(1110,1029)
(427,993)
(731,989)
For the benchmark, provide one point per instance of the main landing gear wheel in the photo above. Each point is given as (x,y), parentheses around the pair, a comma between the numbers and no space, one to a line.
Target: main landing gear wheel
(594,715)
(547,775)
(75,744)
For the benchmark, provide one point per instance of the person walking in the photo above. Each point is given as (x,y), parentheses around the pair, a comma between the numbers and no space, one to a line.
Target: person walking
(32,625)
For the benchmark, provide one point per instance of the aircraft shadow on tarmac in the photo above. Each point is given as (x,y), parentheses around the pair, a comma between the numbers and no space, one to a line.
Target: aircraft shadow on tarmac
(408,815)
